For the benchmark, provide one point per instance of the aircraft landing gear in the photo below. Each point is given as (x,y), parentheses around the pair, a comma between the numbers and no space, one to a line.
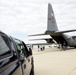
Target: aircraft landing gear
(62,47)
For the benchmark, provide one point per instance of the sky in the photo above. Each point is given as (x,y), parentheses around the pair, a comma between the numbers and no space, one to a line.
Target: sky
(20,18)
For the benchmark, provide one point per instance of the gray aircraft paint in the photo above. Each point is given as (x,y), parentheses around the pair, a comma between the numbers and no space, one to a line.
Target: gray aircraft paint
(52,26)
(59,36)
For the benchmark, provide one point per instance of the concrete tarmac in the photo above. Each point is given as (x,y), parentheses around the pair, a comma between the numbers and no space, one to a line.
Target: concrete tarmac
(53,61)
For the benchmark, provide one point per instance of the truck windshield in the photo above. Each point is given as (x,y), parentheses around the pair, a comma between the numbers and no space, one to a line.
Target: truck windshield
(4,46)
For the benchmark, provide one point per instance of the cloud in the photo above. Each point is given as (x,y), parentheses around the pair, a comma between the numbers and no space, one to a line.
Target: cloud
(30,17)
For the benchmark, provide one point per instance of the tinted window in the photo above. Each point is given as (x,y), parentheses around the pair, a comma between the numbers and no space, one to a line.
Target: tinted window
(26,49)
(20,48)
(4,46)
(12,46)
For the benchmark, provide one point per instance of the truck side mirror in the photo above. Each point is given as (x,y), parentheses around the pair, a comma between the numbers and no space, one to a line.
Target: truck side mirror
(30,51)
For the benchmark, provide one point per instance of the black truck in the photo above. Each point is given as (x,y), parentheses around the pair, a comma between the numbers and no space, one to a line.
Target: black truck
(15,57)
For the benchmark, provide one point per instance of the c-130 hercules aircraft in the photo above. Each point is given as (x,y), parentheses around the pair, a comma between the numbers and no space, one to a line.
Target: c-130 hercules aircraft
(59,36)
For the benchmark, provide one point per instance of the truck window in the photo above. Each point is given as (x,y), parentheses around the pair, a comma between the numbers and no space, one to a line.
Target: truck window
(4,47)
(20,48)
(26,49)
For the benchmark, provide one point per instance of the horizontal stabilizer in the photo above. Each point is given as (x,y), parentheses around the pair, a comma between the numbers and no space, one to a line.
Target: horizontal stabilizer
(65,31)
(37,34)
(49,40)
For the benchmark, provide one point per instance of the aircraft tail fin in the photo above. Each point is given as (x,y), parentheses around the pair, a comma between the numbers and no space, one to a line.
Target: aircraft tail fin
(52,26)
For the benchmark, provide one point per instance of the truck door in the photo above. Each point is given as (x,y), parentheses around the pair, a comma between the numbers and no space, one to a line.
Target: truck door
(28,57)
(8,58)
(22,57)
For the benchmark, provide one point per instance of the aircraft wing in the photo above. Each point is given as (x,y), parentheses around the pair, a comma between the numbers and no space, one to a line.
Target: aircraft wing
(65,31)
(49,40)
(40,39)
